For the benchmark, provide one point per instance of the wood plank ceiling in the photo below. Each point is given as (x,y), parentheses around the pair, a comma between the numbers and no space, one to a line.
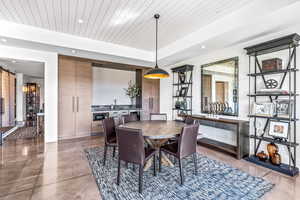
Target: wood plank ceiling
(125,22)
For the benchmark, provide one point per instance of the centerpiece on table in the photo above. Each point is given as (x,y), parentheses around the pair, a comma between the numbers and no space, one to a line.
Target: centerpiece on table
(132,91)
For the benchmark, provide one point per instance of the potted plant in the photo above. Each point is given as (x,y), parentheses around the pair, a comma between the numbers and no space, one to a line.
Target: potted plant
(132,91)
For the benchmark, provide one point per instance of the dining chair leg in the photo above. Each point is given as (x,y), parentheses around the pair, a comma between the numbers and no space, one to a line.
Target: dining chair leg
(159,165)
(195,163)
(174,160)
(119,169)
(154,165)
(104,156)
(141,170)
(181,172)
(133,167)
(114,151)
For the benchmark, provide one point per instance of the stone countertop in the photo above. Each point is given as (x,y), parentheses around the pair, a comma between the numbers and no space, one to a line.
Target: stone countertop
(108,109)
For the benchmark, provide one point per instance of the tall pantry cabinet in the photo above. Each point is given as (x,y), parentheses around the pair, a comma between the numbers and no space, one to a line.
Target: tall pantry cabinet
(75,98)
(149,99)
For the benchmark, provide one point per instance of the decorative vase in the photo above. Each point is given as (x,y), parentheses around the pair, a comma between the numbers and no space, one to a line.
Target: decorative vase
(262,156)
(276,158)
(132,101)
(272,148)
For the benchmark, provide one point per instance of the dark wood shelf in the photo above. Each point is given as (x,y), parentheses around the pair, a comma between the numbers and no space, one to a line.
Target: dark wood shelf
(190,83)
(283,168)
(217,145)
(274,72)
(270,94)
(182,109)
(276,118)
(268,139)
(183,96)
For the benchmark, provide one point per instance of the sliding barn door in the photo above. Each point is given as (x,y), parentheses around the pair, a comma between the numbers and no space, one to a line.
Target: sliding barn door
(5,98)
(12,99)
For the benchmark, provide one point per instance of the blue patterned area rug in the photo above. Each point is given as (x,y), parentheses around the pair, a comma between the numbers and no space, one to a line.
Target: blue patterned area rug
(215,181)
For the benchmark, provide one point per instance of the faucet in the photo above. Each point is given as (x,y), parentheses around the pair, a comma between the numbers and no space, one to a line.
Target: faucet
(113,106)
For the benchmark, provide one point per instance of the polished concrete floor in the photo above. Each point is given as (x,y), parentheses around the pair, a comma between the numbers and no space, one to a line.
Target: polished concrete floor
(31,170)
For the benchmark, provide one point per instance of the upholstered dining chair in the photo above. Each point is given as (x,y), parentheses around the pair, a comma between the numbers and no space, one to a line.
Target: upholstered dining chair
(109,136)
(132,150)
(132,117)
(158,116)
(189,120)
(184,147)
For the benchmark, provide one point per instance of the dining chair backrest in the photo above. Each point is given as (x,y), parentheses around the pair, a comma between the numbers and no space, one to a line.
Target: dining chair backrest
(187,141)
(158,116)
(131,145)
(132,117)
(109,128)
(189,120)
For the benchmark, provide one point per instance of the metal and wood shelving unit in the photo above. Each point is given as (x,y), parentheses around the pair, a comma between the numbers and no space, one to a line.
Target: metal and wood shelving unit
(286,45)
(32,103)
(179,85)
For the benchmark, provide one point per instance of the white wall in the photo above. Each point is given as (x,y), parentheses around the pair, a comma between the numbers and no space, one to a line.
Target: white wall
(166,88)
(20,109)
(50,61)
(109,84)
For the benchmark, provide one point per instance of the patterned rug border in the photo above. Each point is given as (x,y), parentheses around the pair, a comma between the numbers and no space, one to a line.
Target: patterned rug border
(199,154)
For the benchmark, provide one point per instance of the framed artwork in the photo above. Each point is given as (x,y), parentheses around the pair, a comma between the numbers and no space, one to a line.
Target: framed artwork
(183,91)
(279,129)
(266,109)
(284,108)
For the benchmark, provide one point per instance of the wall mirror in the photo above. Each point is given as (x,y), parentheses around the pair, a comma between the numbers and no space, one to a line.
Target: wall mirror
(219,87)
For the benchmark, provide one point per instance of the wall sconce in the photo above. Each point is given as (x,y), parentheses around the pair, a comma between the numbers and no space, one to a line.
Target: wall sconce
(25,88)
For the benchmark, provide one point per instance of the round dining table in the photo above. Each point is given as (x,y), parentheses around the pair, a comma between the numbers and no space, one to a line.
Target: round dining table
(156,134)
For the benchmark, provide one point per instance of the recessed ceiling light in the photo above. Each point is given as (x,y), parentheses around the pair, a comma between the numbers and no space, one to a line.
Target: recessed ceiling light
(13,61)
(80,21)
(73,51)
(203,47)
(4,40)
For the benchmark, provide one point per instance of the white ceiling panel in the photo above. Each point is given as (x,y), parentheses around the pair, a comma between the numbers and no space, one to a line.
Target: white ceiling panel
(124,22)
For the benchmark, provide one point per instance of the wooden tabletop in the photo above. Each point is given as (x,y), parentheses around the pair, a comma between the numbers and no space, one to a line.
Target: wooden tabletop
(157,129)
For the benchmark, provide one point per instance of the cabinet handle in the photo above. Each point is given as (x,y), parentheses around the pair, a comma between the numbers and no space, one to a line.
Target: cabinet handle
(150,102)
(73,104)
(77,104)
(2,106)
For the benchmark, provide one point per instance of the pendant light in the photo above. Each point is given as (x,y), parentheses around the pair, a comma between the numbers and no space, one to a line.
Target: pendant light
(156,73)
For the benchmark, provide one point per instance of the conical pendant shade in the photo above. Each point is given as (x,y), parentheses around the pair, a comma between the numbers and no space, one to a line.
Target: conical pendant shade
(156,73)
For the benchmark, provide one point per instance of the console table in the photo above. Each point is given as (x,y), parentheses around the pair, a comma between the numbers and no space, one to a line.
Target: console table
(238,127)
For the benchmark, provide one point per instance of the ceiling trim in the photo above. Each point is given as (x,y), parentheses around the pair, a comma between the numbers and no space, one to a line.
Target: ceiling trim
(251,14)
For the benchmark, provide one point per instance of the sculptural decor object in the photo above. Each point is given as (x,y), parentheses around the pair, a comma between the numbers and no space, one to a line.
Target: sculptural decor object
(262,156)
(276,158)
(272,149)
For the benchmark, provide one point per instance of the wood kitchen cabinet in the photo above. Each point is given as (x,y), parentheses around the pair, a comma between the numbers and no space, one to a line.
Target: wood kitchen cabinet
(75,98)
(150,95)
(7,98)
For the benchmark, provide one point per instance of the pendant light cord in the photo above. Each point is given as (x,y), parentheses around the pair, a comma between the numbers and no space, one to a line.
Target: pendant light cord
(156,18)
